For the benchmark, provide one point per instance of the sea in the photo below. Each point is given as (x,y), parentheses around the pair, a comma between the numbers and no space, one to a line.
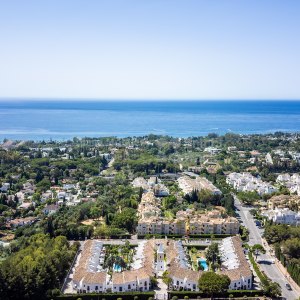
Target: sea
(62,120)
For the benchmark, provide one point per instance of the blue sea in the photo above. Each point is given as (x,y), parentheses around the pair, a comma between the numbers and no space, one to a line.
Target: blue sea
(62,120)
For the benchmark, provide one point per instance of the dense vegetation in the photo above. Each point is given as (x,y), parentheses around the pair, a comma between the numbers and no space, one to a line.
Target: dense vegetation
(286,240)
(37,269)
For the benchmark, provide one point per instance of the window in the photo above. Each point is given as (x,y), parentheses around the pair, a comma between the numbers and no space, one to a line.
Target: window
(120,289)
(129,286)
(96,288)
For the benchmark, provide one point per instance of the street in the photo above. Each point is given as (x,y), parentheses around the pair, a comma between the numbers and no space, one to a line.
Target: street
(255,237)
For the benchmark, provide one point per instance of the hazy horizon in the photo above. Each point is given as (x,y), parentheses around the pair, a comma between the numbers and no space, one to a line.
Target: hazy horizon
(59,99)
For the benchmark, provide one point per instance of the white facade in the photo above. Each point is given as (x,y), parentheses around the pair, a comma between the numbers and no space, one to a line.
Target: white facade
(283,216)
(245,182)
(160,259)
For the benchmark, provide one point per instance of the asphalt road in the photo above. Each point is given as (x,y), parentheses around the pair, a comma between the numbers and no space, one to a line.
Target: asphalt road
(255,237)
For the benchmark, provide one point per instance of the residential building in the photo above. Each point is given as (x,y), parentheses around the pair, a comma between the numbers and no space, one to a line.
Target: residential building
(234,264)
(246,182)
(185,223)
(50,209)
(89,275)
(180,272)
(21,222)
(283,216)
(284,201)
(153,184)
(188,185)
(212,150)
(292,182)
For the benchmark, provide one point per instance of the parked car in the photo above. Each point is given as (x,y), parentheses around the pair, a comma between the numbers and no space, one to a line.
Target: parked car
(288,286)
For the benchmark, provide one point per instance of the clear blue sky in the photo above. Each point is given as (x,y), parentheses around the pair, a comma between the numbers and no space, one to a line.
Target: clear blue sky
(150,49)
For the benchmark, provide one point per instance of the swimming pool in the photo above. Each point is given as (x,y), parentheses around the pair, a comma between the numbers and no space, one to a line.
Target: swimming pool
(117,268)
(203,263)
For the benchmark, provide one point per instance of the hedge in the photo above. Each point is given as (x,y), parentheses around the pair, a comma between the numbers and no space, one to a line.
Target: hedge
(121,236)
(263,278)
(235,293)
(201,247)
(108,296)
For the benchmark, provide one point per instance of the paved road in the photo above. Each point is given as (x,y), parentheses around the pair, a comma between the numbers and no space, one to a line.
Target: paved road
(255,237)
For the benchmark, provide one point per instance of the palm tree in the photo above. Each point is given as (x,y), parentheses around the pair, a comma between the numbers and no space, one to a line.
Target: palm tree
(120,262)
(110,261)
(256,249)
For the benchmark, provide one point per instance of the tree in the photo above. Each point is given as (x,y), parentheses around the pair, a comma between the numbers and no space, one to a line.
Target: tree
(273,289)
(213,283)
(37,268)
(212,254)
(126,219)
(276,233)
(291,248)
(205,197)
(257,248)
(166,279)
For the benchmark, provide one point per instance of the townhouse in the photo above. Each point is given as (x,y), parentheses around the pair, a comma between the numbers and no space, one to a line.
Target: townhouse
(234,264)
(180,272)
(90,276)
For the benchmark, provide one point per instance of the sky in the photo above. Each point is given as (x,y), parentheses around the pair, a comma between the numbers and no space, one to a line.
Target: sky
(150,49)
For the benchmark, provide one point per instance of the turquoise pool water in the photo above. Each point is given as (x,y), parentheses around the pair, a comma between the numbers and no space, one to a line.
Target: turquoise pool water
(203,263)
(117,268)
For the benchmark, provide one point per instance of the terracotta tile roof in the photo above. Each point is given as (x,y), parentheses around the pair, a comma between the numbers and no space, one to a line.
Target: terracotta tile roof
(243,270)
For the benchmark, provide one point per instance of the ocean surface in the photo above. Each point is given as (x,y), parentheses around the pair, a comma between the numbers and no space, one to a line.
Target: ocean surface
(61,120)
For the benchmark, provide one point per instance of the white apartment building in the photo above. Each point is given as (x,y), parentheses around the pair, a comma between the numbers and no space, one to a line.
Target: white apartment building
(246,182)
